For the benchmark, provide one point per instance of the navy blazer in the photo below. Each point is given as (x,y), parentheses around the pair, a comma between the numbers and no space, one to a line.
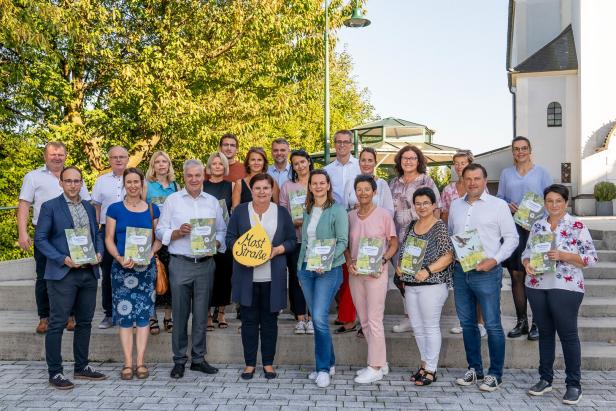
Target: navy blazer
(241,280)
(50,239)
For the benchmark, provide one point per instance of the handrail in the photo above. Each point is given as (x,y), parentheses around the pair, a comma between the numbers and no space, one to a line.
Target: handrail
(5,208)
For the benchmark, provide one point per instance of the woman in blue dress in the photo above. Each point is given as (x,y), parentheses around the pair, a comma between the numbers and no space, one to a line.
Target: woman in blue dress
(161,183)
(132,282)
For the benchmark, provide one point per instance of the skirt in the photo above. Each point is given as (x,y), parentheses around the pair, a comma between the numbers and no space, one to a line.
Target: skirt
(514,262)
(133,294)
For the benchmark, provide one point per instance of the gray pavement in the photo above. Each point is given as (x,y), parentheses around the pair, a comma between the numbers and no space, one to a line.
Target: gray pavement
(23,385)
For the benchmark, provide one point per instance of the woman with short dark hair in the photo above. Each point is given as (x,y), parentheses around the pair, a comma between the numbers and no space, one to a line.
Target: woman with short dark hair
(254,163)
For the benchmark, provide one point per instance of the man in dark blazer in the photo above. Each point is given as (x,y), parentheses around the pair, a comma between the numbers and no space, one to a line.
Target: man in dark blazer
(70,285)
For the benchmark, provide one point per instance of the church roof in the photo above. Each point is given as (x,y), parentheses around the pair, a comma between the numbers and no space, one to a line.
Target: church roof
(558,54)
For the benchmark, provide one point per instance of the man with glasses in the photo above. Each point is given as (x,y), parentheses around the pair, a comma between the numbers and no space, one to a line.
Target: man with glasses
(72,286)
(281,169)
(228,146)
(109,189)
(39,186)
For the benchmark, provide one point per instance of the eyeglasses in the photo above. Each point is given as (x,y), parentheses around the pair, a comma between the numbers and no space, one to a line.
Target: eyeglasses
(424,204)
(521,149)
(409,159)
(71,182)
(343,142)
(117,158)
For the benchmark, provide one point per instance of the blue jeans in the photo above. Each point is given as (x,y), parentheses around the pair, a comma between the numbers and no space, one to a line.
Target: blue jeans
(319,291)
(484,288)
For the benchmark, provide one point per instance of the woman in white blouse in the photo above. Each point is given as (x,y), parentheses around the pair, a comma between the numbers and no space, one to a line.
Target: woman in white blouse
(555,296)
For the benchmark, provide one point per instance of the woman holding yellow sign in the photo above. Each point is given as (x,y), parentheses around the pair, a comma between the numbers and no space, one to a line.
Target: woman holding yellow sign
(372,243)
(130,241)
(261,234)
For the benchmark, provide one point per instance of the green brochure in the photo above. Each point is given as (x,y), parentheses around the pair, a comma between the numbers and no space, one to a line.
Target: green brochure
(80,245)
(138,245)
(529,210)
(320,254)
(297,202)
(203,236)
(469,250)
(370,256)
(412,255)
(540,244)
(225,211)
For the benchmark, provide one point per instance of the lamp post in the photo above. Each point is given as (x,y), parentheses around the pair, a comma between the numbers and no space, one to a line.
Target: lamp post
(356,20)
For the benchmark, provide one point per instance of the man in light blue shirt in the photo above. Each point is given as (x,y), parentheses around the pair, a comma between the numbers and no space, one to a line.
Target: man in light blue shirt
(345,167)
(491,217)
(281,169)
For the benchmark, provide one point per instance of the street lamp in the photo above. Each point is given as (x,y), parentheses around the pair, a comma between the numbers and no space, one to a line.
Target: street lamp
(356,20)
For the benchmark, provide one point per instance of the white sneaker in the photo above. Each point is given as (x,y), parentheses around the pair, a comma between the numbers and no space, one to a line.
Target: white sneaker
(456,330)
(300,327)
(313,375)
(309,327)
(404,326)
(384,369)
(322,379)
(482,330)
(369,376)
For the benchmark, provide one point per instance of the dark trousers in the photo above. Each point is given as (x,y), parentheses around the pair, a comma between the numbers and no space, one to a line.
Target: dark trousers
(296,295)
(556,311)
(106,281)
(76,290)
(258,320)
(40,286)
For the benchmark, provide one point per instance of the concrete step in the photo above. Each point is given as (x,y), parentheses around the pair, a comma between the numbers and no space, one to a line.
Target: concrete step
(599,244)
(606,255)
(18,341)
(601,270)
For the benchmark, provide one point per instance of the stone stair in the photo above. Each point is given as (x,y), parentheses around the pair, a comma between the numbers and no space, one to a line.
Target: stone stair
(597,326)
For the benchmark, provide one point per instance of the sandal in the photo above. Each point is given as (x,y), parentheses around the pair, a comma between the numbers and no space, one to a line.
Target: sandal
(342,329)
(417,376)
(222,324)
(210,325)
(424,380)
(360,333)
(142,374)
(154,328)
(126,375)
(168,324)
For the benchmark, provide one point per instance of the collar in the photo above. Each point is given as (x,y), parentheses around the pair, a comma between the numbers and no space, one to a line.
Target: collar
(482,197)
(68,200)
(184,193)
(352,160)
(286,168)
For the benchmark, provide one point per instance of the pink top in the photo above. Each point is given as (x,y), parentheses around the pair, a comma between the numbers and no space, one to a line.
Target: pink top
(283,200)
(378,224)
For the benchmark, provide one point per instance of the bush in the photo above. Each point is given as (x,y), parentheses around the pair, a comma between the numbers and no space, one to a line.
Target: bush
(605,191)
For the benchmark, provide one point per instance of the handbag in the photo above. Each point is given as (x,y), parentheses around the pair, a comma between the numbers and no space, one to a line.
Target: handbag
(162,281)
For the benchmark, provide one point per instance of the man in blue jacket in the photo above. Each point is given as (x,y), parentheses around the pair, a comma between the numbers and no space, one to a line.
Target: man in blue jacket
(70,284)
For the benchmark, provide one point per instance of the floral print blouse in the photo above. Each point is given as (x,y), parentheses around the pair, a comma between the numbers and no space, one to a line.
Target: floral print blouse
(571,236)
(402,194)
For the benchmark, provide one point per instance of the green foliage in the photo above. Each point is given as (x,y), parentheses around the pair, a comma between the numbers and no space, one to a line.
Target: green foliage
(441,176)
(605,191)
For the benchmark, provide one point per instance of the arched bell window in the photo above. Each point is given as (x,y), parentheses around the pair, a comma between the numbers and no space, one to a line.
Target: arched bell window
(555,114)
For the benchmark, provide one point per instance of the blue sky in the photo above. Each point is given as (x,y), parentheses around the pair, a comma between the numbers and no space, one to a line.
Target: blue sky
(437,62)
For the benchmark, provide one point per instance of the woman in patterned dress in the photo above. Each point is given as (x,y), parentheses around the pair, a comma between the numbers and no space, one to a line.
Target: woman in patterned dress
(555,297)
(133,293)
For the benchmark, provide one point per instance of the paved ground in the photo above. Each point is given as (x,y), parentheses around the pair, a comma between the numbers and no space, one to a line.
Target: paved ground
(23,385)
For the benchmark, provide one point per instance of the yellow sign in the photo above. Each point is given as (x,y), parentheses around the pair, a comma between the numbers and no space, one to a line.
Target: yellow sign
(253,248)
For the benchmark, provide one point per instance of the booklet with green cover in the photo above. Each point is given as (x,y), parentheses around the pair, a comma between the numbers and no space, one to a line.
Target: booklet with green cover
(80,245)
(225,211)
(158,200)
(320,254)
(297,202)
(203,236)
(138,245)
(540,244)
(412,255)
(469,250)
(370,256)
(529,210)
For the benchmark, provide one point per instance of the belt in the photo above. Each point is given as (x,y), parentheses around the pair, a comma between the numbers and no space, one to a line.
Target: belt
(192,259)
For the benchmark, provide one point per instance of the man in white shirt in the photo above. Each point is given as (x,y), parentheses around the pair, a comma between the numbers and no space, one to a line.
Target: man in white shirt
(491,217)
(345,167)
(39,186)
(281,169)
(191,277)
(109,189)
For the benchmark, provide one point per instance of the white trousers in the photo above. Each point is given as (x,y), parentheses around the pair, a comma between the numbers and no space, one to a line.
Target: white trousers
(424,304)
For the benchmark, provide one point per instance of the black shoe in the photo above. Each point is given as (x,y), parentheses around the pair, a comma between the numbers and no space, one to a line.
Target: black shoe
(533,334)
(520,329)
(269,375)
(540,388)
(177,371)
(89,373)
(204,367)
(248,375)
(60,382)
(572,396)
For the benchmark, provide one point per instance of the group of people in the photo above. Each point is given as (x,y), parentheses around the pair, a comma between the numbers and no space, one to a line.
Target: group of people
(297,206)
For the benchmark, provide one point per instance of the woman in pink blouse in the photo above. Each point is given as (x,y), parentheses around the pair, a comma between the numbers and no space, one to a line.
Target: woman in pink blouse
(555,297)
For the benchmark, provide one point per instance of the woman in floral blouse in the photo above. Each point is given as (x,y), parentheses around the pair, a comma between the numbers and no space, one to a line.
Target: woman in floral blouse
(555,297)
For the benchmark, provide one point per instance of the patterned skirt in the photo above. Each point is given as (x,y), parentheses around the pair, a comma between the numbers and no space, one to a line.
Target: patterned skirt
(133,294)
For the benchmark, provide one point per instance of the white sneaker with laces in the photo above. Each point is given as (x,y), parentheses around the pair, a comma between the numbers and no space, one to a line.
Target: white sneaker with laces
(300,327)
(456,330)
(482,330)
(323,379)
(309,327)
(313,375)
(384,369)
(490,383)
(404,326)
(369,376)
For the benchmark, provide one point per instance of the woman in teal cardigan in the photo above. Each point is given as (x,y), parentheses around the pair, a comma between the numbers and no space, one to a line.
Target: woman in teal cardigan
(323,220)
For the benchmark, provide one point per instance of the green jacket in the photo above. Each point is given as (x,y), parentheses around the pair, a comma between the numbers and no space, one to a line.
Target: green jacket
(334,223)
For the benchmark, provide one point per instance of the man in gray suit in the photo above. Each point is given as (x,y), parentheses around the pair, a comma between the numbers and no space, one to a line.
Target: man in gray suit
(69,284)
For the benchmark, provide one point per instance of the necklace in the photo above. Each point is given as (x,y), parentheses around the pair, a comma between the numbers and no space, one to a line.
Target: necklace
(132,205)
(372,207)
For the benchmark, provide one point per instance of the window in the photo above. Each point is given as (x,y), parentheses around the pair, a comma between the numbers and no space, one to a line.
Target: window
(555,115)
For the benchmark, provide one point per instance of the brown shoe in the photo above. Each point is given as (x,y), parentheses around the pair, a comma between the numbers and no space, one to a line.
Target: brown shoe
(42,326)
(70,324)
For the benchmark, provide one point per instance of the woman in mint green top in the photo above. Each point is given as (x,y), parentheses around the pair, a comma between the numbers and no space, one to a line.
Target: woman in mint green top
(323,220)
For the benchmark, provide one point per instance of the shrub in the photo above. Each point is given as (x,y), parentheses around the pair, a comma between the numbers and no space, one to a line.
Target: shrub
(605,191)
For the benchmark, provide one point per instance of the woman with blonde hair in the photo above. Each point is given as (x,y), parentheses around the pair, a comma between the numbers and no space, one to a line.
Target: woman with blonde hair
(160,179)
